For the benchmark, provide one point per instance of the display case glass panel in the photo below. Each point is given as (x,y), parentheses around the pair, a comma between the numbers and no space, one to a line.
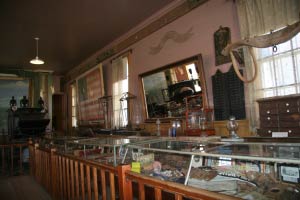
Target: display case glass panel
(107,149)
(278,152)
(57,142)
(245,170)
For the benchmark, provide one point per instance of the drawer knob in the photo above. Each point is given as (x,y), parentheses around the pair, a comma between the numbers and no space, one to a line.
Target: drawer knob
(268,112)
(287,104)
(290,131)
(269,118)
(269,131)
(287,110)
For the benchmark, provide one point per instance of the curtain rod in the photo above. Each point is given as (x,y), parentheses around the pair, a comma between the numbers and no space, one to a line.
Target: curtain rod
(121,54)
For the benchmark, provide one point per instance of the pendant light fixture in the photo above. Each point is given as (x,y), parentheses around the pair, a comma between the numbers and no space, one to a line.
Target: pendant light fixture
(37,60)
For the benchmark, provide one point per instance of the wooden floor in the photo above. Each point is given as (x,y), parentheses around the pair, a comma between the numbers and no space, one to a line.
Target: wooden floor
(21,188)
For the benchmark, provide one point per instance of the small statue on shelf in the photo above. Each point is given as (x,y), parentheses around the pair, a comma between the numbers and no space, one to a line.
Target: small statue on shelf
(41,102)
(24,102)
(13,104)
(42,105)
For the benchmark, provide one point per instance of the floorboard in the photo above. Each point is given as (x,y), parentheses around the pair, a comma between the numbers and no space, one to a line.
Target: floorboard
(21,188)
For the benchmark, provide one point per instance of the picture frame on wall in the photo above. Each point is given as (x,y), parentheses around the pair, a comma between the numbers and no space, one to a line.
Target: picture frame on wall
(90,87)
(222,37)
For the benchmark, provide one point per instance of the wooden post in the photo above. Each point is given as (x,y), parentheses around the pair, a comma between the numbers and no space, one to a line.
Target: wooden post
(82,182)
(125,186)
(21,159)
(141,187)
(103,184)
(53,180)
(88,181)
(178,196)
(77,180)
(112,185)
(95,183)
(64,175)
(61,185)
(3,159)
(68,178)
(72,179)
(12,159)
(31,156)
(35,162)
(157,192)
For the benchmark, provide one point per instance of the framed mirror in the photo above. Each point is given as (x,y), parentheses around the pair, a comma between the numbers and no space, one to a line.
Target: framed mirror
(166,89)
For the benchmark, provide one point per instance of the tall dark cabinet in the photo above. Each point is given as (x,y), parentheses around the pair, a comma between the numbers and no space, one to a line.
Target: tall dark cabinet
(228,93)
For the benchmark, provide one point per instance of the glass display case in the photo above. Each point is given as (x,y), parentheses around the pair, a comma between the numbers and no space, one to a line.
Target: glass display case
(244,170)
(107,150)
(57,142)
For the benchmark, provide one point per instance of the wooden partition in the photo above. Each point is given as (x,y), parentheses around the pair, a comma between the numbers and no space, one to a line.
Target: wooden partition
(70,177)
(41,166)
(75,178)
(12,158)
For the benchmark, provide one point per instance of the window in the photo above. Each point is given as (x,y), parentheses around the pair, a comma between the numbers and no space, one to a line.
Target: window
(193,74)
(74,106)
(120,90)
(10,87)
(279,71)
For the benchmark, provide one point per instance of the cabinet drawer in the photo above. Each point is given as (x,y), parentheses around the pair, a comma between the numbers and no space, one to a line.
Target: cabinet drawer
(268,109)
(292,132)
(289,124)
(291,120)
(286,104)
(269,121)
(288,109)
(263,132)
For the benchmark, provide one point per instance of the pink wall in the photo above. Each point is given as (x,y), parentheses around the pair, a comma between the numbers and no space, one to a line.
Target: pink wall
(203,21)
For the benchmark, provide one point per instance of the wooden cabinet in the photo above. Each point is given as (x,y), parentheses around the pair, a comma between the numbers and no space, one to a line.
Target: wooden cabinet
(279,114)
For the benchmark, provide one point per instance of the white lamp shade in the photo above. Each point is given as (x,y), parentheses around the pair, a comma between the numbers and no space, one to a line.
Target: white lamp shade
(37,61)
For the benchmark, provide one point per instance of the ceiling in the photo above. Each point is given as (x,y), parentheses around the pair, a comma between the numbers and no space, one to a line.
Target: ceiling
(69,30)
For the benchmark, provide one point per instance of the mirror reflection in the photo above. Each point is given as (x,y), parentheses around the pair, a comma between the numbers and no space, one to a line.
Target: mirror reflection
(167,89)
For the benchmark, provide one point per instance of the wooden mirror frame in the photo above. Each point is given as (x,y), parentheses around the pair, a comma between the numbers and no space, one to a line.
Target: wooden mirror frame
(197,59)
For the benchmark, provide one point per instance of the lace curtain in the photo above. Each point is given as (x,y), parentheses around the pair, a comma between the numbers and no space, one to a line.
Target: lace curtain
(257,17)
(120,86)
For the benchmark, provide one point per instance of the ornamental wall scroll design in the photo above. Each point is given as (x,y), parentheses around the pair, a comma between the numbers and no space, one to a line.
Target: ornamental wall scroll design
(171,35)
(167,18)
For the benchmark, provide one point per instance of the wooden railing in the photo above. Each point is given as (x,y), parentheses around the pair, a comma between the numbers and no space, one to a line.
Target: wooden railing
(41,165)
(70,177)
(12,158)
(76,178)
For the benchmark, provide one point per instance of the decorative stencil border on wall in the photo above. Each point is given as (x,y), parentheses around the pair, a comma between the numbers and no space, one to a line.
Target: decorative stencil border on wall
(182,9)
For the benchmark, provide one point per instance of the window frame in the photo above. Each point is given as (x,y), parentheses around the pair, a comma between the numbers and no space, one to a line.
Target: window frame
(279,87)
(117,109)
(74,105)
